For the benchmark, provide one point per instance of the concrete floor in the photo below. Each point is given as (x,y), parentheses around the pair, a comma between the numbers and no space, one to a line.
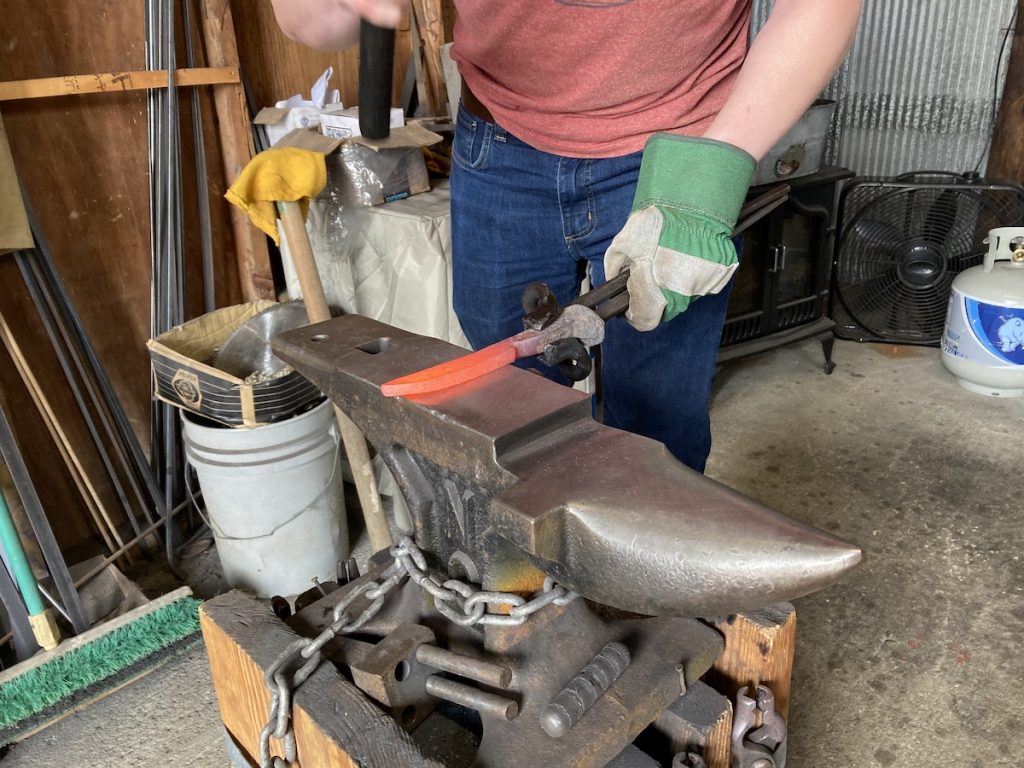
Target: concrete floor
(913,661)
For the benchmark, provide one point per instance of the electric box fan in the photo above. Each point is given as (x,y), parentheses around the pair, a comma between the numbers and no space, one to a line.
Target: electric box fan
(900,243)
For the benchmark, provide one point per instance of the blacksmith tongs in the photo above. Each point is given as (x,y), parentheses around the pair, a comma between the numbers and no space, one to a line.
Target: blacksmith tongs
(556,335)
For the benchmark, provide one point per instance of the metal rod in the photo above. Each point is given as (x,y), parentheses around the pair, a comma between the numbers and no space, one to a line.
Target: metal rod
(614,306)
(99,567)
(153,116)
(126,432)
(67,452)
(166,247)
(480,670)
(41,526)
(473,698)
(614,289)
(54,322)
(59,291)
(759,214)
(764,199)
(35,291)
(259,132)
(24,640)
(586,687)
(54,602)
(202,186)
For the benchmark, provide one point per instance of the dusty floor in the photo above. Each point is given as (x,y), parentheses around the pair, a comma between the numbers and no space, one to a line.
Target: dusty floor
(913,661)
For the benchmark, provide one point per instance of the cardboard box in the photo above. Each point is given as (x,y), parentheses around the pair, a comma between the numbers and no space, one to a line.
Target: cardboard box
(280,121)
(297,111)
(184,377)
(344,124)
(801,151)
(362,171)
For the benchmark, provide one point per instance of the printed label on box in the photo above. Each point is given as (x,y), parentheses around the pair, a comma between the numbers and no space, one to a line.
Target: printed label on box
(186,386)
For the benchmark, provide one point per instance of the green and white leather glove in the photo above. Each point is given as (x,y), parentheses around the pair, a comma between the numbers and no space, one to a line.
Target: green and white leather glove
(676,242)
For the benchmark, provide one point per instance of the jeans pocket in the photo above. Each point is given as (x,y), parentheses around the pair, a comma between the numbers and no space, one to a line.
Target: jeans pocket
(472,140)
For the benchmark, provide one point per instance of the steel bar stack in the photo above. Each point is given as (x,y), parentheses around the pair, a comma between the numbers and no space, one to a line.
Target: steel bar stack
(202,187)
(70,605)
(166,236)
(140,498)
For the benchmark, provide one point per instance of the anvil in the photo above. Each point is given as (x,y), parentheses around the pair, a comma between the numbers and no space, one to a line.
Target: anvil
(509,479)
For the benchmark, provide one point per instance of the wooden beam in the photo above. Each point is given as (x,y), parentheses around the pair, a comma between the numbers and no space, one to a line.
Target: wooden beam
(699,721)
(448,17)
(430,29)
(336,726)
(758,650)
(1006,160)
(113,82)
(90,495)
(237,149)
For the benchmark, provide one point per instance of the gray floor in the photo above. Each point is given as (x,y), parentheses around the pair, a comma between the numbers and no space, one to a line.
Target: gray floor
(914,661)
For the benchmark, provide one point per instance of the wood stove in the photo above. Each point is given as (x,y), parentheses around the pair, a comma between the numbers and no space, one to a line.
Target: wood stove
(780,293)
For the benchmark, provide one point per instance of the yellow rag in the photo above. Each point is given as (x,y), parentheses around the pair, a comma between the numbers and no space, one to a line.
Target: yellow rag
(277,175)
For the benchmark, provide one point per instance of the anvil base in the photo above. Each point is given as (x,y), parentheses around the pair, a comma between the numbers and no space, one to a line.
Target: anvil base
(337,724)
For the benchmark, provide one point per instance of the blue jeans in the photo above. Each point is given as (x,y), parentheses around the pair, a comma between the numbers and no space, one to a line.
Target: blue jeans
(520,215)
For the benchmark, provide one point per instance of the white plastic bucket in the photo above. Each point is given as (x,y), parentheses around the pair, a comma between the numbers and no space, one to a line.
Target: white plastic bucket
(274,499)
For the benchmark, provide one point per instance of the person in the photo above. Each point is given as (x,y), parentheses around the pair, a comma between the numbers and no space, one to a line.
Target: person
(603,135)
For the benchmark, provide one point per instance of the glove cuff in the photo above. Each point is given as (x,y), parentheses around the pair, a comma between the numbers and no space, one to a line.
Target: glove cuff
(705,177)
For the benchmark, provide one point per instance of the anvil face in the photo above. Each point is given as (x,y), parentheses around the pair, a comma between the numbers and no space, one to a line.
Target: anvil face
(509,475)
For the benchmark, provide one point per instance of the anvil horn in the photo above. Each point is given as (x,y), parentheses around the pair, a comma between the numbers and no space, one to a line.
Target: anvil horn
(511,469)
(630,523)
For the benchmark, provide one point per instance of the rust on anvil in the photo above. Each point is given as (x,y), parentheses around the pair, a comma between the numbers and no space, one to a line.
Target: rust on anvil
(511,467)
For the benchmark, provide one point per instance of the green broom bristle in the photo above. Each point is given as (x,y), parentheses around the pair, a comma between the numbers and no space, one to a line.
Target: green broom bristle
(64,675)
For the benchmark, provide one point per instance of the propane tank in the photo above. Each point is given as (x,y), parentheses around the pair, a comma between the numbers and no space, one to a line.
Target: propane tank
(983,344)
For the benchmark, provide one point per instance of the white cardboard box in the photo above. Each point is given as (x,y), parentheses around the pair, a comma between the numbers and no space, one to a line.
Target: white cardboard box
(344,124)
(280,121)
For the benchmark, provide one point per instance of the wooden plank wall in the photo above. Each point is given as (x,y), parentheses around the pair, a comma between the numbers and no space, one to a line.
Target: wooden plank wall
(276,67)
(84,162)
(1006,160)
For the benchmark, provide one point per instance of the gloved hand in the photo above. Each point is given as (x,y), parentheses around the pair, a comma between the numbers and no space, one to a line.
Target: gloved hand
(676,242)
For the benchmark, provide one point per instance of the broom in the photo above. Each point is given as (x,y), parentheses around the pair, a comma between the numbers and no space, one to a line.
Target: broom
(52,684)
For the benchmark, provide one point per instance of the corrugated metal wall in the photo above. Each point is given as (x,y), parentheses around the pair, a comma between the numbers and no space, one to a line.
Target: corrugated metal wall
(918,89)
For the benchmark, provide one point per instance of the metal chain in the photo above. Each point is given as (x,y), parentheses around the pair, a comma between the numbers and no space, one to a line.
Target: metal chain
(465,604)
(460,602)
(281,686)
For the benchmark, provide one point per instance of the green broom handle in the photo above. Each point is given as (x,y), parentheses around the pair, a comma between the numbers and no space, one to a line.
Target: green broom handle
(23,575)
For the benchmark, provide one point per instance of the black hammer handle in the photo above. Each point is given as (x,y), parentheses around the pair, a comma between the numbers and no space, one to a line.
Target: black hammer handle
(376,62)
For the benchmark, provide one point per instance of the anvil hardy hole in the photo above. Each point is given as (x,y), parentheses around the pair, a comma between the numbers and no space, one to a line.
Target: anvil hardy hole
(319,337)
(402,671)
(375,347)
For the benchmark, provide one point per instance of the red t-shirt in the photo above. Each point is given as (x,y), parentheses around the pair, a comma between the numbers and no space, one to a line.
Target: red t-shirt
(595,78)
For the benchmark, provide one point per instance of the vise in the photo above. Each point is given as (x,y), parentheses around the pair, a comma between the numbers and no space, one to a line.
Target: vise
(573,558)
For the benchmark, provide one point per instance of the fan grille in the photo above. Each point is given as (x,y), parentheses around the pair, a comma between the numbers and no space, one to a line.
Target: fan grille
(900,246)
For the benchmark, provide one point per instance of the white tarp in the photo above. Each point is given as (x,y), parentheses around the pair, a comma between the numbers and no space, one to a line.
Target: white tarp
(391,262)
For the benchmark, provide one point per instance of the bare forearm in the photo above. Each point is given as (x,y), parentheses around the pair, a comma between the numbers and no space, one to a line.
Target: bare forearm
(790,62)
(330,25)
